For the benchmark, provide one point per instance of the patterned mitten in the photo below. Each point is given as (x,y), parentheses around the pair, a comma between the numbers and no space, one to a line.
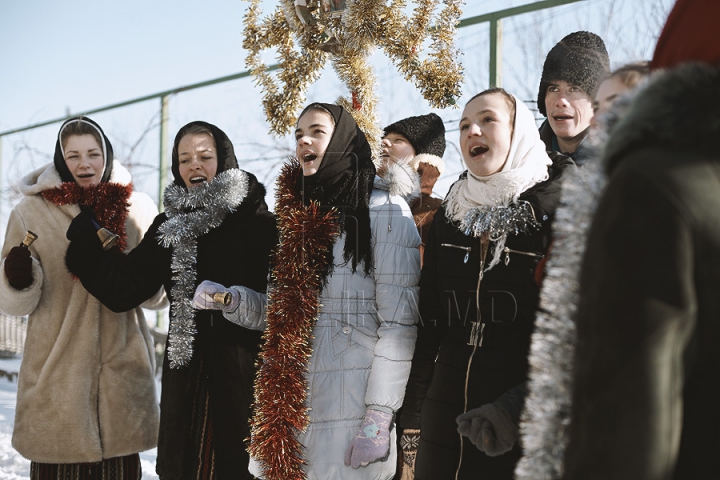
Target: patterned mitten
(372,442)
(409,441)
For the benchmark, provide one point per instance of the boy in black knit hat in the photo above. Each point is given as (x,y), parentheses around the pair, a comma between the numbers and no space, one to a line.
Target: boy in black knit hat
(573,70)
(416,144)
(420,143)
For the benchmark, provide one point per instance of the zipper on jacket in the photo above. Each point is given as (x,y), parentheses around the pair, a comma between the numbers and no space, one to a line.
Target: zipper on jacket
(476,333)
(390,219)
(460,247)
(532,210)
(508,251)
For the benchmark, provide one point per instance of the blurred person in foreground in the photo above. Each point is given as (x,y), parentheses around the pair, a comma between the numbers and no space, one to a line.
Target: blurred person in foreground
(647,367)
(547,408)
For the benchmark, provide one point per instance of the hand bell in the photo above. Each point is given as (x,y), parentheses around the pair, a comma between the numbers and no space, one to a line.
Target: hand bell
(223,298)
(107,238)
(30,237)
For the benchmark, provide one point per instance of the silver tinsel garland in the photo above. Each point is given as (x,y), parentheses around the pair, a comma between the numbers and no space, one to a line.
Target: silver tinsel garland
(547,407)
(192,213)
(499,222)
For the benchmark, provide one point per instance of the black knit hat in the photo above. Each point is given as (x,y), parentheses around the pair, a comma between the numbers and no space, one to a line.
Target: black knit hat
(426,133)
(580,59)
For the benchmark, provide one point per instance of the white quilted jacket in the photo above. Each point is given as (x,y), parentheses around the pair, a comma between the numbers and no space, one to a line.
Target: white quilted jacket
(363,340)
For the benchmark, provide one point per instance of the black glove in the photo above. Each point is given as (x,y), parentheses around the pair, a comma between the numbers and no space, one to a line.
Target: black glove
(83,228)
(490,428)
(85,252)
(18,268)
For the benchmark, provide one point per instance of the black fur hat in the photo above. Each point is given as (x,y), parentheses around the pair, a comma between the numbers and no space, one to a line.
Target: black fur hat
(580,59)
(426,133)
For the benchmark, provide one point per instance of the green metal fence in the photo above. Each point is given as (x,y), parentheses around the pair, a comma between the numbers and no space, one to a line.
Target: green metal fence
(495,69)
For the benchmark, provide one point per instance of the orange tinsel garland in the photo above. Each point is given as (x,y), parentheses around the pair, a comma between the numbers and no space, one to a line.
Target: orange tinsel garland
(109,201)
(306,236)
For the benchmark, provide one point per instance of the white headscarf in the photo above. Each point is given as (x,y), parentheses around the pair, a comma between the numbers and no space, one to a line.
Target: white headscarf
(527,165)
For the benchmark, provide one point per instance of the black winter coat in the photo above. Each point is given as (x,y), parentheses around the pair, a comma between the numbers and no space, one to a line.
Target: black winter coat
(508,298)
(580,156)
(222,370)
(647,374)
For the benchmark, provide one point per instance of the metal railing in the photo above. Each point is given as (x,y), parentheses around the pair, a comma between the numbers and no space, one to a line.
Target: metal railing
(495,69)
(12,335)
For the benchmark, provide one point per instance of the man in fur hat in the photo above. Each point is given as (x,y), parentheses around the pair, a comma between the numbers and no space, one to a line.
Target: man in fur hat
(418,142)
(572,73)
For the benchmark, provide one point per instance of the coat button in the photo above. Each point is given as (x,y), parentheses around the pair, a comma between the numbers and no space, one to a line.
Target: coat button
(346,330)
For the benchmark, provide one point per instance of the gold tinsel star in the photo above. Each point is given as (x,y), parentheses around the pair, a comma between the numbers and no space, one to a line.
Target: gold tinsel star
(307,36)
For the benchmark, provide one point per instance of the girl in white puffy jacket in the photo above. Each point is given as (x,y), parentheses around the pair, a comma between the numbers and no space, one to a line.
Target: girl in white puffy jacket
(340,317)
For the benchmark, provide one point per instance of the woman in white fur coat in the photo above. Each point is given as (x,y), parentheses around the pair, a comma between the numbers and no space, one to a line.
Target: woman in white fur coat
(86,402)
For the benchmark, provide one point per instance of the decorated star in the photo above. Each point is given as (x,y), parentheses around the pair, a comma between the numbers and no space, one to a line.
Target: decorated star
(308,33)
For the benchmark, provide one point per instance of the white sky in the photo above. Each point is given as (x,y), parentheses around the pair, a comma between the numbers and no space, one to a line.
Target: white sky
(76,55)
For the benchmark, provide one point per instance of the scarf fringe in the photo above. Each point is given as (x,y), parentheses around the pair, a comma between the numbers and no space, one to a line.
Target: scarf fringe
(307,235)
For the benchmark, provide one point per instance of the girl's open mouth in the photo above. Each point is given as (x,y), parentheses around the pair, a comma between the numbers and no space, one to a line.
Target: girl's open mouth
(478,150)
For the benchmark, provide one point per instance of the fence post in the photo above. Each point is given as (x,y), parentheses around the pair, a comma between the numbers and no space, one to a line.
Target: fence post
(1,176)
(163,149)
(162,180)
(496,52)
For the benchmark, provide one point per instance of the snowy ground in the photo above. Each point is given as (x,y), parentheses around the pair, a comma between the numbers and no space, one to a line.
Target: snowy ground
(12,465)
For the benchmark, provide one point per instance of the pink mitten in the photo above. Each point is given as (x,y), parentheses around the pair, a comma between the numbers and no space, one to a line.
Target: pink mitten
(372,441)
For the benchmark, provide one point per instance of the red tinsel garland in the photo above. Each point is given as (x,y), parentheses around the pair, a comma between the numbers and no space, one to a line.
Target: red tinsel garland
(281,387)
(109,201)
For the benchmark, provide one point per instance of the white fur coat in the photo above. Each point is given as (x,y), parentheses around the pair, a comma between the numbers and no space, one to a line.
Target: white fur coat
(86,389)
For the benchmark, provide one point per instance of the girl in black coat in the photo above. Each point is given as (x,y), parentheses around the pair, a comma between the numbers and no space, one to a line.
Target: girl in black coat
(216,227)
(478,293)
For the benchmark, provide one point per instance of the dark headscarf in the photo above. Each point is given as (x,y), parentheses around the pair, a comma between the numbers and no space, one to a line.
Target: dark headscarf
(59,158)
(225,150)
(344,181)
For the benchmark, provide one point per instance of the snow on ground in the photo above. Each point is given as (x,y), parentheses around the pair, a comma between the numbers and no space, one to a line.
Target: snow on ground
(12,465)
